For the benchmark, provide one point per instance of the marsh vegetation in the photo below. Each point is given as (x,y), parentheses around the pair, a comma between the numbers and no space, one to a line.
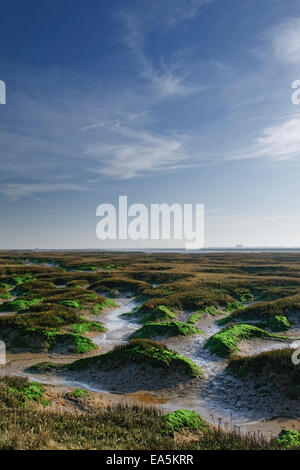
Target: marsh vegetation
(201,325)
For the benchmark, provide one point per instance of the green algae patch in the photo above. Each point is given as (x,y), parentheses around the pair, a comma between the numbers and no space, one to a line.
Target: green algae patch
(82,344)
(26,278)
(18,390)
(184,419)
(226,341)
(141,352)
(232,306)
(70,303)
(80,393)
(160,313)
(5,296)
(71,341)
(279,323)
(107,303)
(33,391)
(83,268)
(166,329)
(288,439)
(38,339)
(19,305)
(195,316)
(87,325)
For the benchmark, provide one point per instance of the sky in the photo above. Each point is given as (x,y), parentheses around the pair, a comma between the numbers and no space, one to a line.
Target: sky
(165,101)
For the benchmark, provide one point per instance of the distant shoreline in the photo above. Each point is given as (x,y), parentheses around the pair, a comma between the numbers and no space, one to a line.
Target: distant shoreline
(161,250)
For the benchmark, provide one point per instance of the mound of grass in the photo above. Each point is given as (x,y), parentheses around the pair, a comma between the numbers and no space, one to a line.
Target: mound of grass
(277,361)
(19,391)
(184,296)
(142,352)
(70,303)
(166,329)
(159,314)
(84,268)
(244,295)
(288,439)
(82,344)
(264,311)
(232,306)
(195,316)
(19,305)
(179,419)
(25,278)
(55,317)
(6,286)
(279,323)
(120,283)
(5,296)
(39,339)
(226,341)
(107,303)
(87,325)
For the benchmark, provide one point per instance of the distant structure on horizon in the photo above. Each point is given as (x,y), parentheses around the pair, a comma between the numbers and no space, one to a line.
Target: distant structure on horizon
(239,245)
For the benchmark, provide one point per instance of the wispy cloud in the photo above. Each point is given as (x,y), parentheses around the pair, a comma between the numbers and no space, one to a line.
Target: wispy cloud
(134,152)
(14,191)
(148,17)
(285,39)
(278,142)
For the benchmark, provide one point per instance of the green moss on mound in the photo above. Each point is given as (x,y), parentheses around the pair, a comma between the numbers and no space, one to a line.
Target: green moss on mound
(279,323)
(179,419)
(19,305)
(288,439)
(70,303)
(195,316)
(25,278)
(38,339)
(5,296)
(19,391)
(160,313)
(265,311)
(107,303)
(234,306)
(227,340)
(167,329)
(142,352)
(82,344)
(87,325)
(80,393)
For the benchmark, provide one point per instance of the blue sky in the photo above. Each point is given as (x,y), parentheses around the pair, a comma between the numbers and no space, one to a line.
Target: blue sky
(183,101)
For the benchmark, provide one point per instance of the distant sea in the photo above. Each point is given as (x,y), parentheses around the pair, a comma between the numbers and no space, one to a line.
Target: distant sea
(173,250)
